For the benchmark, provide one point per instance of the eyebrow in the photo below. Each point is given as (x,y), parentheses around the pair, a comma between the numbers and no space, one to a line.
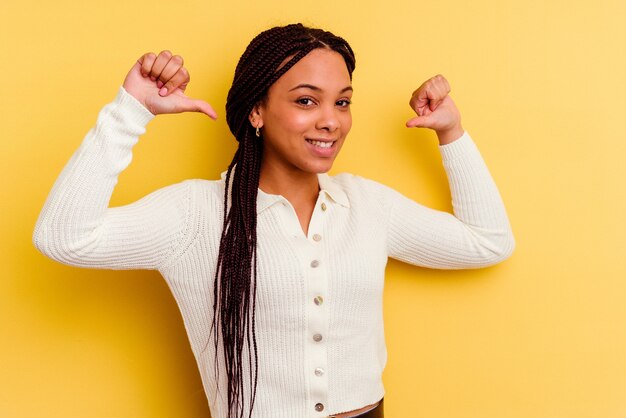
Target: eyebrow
(315,88)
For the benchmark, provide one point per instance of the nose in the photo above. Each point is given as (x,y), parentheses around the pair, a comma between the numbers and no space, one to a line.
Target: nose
(328,119)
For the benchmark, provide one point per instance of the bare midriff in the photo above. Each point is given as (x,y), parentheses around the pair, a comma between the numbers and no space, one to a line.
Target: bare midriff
(355,412)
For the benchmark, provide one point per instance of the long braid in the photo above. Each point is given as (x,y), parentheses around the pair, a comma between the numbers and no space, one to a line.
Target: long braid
(235,280)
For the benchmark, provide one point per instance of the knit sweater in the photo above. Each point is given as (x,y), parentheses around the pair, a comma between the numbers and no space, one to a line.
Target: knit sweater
(319,323)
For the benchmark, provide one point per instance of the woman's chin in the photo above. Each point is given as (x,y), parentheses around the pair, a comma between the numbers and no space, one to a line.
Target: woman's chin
(321,167)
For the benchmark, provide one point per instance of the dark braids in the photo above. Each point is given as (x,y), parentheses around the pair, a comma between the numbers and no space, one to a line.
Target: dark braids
(235,281)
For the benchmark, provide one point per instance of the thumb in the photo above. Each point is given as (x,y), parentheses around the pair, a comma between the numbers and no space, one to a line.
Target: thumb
(196,105)
(419,122)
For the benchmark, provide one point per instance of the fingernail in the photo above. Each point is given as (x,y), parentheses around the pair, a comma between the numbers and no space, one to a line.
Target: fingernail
(153,78)
(159,84)
(163,91)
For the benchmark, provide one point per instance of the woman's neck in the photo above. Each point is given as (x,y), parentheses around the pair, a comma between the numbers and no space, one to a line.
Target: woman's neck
(292,185)
(299,188)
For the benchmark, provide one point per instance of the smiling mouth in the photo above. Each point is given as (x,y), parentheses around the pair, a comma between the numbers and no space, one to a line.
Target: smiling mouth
(321,144)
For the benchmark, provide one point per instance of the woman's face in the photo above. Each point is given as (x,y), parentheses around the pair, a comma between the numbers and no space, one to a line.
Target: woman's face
(306,115)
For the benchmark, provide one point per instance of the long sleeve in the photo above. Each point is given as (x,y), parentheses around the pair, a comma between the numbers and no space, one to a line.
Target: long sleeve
(477,235)
(77,227)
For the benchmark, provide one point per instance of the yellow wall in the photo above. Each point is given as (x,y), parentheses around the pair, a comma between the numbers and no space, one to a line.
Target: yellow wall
(540,85)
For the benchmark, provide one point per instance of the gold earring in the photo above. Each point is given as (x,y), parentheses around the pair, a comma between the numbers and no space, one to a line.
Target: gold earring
(258,133)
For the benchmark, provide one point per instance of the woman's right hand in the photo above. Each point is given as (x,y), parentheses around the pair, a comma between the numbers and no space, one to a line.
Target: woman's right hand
(159,82)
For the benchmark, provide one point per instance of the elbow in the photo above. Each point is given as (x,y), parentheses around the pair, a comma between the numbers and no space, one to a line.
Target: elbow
(53,246)
(488,247)
(499,251)
(38,242)
(62,241)
(42,243)
(507,248)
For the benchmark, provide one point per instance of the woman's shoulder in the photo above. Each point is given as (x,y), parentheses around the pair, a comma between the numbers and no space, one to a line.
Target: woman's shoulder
(200,196)
(357,188)
(205,189)
(205,185)
(353,182)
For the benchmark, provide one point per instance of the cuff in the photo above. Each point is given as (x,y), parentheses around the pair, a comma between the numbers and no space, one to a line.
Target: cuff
(457,148)
(132,110)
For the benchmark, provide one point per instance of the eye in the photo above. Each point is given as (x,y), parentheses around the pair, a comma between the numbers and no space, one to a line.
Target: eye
(305,101)
(344,102)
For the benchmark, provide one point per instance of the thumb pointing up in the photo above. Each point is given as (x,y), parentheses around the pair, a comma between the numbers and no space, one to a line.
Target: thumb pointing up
(434,107)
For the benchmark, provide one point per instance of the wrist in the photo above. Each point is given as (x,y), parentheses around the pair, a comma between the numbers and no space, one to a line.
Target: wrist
(137,95)
(133,108)
(450,135)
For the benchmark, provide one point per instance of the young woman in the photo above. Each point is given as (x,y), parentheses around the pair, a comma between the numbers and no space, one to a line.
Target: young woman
(278,268)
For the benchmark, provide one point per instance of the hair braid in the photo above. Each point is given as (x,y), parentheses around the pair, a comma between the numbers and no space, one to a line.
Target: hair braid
(234,289)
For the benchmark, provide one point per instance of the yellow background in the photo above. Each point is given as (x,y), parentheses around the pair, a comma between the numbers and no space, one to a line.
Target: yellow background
(540,85)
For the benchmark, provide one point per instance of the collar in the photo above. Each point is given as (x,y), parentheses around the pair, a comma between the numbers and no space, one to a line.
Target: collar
(328,185)
(333,189)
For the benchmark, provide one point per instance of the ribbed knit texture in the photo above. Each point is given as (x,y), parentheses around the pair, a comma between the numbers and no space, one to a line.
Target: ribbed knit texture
(356,225)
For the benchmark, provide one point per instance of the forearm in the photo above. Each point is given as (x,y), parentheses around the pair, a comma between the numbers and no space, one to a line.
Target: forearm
(76,206)
(477,235)
(476,200)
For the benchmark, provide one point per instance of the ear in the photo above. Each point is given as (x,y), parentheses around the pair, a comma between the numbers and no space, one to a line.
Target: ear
(255,117)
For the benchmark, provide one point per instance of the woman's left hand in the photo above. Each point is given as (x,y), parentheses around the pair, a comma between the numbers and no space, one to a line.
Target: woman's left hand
(436,110)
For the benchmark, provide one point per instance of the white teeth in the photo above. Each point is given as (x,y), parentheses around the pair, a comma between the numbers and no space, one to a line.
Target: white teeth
(320,143)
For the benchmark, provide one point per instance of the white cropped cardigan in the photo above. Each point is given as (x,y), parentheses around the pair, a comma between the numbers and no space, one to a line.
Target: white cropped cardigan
(319,323)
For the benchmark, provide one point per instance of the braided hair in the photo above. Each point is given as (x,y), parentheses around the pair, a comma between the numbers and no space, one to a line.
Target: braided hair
(262,63)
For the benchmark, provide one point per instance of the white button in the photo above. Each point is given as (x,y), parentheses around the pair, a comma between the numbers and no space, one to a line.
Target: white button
(324,206)
(317,337)
(318,300)
(319,371)
(315,263)
(317,237)
(319,407)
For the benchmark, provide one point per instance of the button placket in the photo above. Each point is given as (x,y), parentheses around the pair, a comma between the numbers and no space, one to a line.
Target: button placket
(316,311)
(290,219)
(318,218)
(317,358)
